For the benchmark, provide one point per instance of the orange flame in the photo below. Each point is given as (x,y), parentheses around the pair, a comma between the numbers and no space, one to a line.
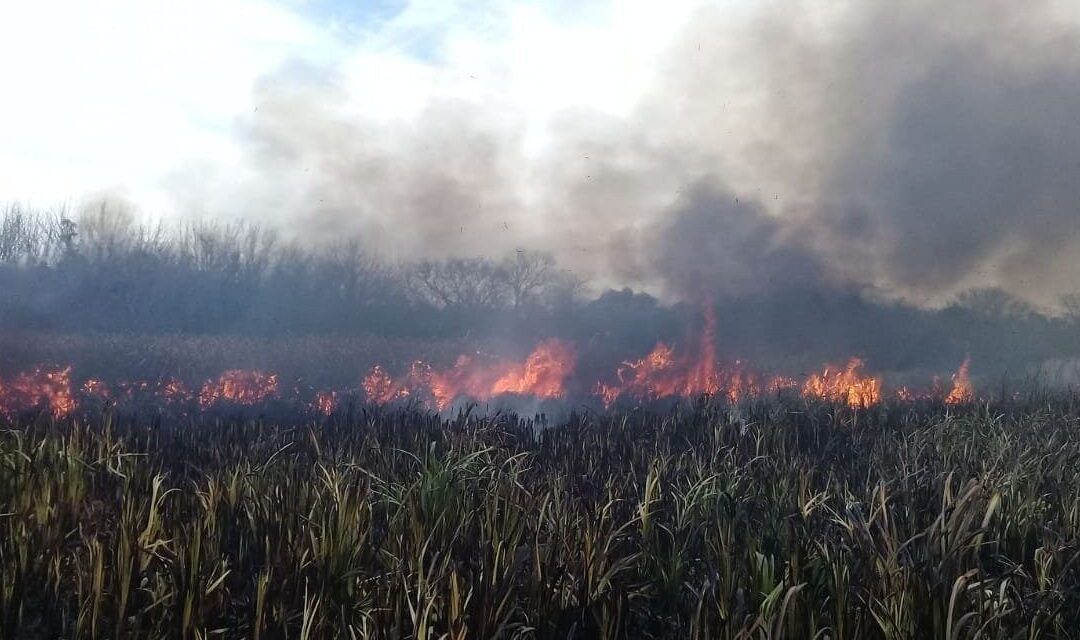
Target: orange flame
(325,402)
(240,386)
(962,391)
(94,388)
(42,388)
(903,394)
(849,385)
(542,375)
(381,388)
(662,373)
(175,391)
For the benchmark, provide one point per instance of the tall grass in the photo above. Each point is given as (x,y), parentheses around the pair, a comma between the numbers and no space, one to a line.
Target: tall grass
(772,520)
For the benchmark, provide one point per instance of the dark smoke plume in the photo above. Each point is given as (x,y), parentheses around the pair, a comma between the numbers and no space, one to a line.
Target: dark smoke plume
(918,147)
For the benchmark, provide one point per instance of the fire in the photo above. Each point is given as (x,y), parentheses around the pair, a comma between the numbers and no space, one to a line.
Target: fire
(703,376)
(662,373)
(94,388)
(325,402)
(239,386)
(650,376)
(849,386)
(466,377)
(962,390)
(542,375)
(381,388)
(42,388)
(175,391)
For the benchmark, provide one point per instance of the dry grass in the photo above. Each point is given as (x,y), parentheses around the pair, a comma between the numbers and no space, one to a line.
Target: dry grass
(778,519)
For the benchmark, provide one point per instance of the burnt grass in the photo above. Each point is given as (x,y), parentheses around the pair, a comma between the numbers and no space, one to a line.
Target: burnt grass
(775,518)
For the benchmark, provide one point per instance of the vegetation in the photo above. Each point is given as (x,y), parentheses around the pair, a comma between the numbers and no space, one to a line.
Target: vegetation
(137,281)
(767,520)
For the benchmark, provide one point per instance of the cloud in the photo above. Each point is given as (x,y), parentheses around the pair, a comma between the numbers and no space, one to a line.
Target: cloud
(120,92)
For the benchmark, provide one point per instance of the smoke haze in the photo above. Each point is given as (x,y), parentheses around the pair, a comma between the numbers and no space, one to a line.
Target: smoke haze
(910,149)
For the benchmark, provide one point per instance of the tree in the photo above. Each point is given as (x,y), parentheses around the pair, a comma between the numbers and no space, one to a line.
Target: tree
(527,275)
(33,239)
(68,234)
(472,284)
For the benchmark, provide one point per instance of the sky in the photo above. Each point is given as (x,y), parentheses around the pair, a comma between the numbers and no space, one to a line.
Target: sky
(911,150)
(120,96)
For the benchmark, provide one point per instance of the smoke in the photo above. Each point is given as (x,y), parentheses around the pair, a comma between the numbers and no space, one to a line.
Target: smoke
(431,187)
(916,149)
(934,145)
(713,242)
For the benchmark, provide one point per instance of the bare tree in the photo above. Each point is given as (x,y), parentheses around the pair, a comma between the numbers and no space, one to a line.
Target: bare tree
(240,251)
(459,283)
(31,238)
(350,272)
(565,289)
(106,231)
(527,275)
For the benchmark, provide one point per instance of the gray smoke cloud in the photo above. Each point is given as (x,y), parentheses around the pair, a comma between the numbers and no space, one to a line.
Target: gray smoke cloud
(711,241)
(915,148)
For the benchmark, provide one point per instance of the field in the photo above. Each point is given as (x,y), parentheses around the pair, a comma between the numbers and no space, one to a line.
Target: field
(773,518)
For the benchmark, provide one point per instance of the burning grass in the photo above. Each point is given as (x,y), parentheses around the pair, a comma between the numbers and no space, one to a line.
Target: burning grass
(542,376)
(796,518)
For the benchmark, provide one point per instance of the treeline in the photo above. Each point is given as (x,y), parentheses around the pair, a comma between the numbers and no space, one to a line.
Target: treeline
(102,271)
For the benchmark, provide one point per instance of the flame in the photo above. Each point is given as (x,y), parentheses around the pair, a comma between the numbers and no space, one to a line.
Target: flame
(962,390)
(378,386)
(662,373)
(42,388)
(903,394)
(381,388)
(94,388)
(239,386)
(703,376)
(849,385)
(325,402)
(464,378)
(175,391)
(542,375)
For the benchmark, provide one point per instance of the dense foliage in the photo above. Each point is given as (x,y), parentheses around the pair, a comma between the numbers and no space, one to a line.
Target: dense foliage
(777,519)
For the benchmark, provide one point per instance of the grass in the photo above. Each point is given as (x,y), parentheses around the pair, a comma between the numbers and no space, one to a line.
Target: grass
(777,519)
